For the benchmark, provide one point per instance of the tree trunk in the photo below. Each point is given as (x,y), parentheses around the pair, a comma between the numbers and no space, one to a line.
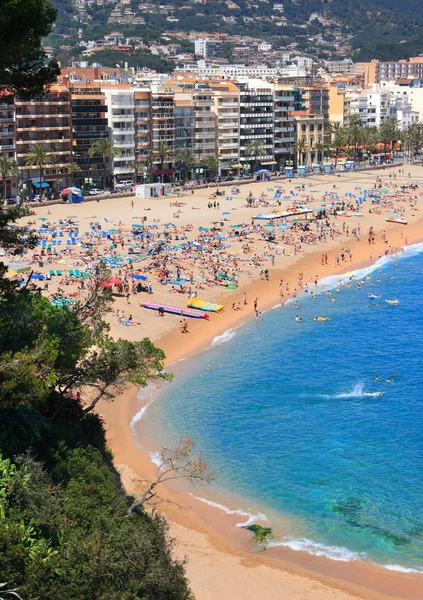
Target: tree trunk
(104,173)
(89,408)
(4,187)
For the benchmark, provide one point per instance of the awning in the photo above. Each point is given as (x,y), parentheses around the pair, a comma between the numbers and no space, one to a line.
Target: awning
(269,162)
(44,184)
(238,166)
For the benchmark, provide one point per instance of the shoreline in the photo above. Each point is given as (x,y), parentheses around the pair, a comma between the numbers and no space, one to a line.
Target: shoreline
(363,579)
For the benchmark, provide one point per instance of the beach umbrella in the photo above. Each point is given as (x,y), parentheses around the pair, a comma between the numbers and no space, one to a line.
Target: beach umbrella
(71,217)
(226,212)
(203,229)
(114,280)
(137,226)
(139,276)
(42,219)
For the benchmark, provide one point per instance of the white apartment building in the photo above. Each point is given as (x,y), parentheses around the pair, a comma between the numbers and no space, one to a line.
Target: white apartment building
(409,93)
(208,48)
(373,107)
(226,109)
(284,129)
(205,143)
(120,103)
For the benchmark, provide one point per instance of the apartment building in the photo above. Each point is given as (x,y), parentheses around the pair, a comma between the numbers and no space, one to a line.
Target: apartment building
(7,139)
(121,124)
(310,128)
(287,100)
(208,48)
(46,121)
(376,71)
(256,121)
(373,107)
(89,124)
(226,109)
(184,122)
(205,141)
(142,124)
(163,130)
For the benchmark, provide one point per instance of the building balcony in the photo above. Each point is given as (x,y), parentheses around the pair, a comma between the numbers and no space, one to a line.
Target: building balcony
(228,145)
(89,108)
(228,115)
(283,129)
(84,122)
(7,146)
(206,102)
(283,98)
(123,117)
(7,119)
(122,104)
(86,135)
(49,102)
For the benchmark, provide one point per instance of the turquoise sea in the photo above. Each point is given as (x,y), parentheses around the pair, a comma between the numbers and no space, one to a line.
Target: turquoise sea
(297,426)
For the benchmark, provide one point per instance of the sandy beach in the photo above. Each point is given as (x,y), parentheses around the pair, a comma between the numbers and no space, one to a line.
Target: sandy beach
(221,561)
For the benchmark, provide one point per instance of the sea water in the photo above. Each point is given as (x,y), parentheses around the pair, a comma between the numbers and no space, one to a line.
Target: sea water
(301,424)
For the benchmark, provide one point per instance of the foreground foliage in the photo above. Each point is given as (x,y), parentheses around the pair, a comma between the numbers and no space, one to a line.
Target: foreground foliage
(66,530)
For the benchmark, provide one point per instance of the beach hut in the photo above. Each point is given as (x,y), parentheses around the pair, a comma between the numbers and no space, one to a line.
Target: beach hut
(317,168)
(263,175)
(342,165)
(327,168)
(289,172)
(152,190)
(302,171)
(350,165)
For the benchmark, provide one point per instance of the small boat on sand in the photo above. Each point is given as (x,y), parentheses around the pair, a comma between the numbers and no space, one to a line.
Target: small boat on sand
(397,220)
(203,305)
(175,310)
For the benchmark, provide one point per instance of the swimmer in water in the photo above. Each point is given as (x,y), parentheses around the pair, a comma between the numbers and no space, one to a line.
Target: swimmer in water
(389,380)
(296,305)
(394,375)
(333,299)
(298,318)
(380,394)
(377,378)
(327,293)
(208,368)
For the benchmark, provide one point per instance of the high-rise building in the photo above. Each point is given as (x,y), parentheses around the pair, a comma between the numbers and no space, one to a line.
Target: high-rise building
(287,100)
(7,140)
(226,109)
(46,121)
(163,132)
(142,123)
(205,143)
(376,71)
(89,124)
(208,48)
(120,114)
(256,121)
(310,128)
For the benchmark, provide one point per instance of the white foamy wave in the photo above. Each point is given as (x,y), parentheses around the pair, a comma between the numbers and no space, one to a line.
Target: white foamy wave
(401,569)
(356,392)
(251,518)
(156,458)
(316,549)
(328,283)
(144,394)
(413,249)
(225,337)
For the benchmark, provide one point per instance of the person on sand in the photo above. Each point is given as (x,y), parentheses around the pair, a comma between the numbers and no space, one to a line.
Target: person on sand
(244,298)
(255,305)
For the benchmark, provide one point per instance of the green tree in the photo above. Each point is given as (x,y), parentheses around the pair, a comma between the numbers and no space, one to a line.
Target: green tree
(354,132)
(73,169)
(388,132)
(301,148)
(212,163)
(187,159)
(415,135)
(369,138)
(254,150)
(40,157)
(24,69)
(162,151)
(337,142)
(320,149)
(9,167)
(106,149)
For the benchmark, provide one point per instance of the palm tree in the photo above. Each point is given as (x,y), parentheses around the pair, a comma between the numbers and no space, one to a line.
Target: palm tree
(300,148)
(369,138)
(416,136)
(320,149)
(7,167)
(187,159)
(354,132)
(135,167)
(212,162)
(337,138)
(40,157)
(73,169)
(254,149)
(162,151)
(388,132)
(106,150)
